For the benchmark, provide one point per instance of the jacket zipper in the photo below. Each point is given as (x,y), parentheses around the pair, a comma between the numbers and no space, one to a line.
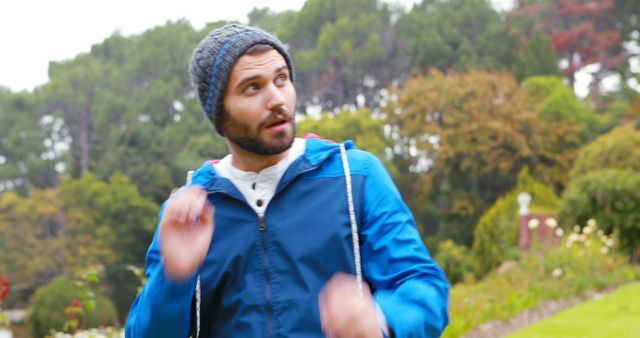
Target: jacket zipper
(267,276)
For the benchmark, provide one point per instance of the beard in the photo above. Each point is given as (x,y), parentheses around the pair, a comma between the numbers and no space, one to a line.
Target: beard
(244,136)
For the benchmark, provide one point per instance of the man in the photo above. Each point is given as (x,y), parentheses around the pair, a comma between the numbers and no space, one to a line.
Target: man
(277,257)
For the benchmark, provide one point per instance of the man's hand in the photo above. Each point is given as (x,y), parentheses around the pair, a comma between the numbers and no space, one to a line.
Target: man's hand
(343,313)
(186,231)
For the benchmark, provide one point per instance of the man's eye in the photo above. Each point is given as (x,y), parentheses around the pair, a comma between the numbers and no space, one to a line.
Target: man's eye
(282,79)
(250,89)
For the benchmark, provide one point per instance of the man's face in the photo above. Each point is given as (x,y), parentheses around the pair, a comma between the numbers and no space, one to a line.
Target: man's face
(259,104)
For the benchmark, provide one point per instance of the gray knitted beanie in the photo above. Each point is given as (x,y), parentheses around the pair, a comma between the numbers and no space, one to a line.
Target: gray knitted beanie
(215,56)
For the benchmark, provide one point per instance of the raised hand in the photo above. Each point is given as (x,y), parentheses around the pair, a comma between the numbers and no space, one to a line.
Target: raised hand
(343,313)
(186,231)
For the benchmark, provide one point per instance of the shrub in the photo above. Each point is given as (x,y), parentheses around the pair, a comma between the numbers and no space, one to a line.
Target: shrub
(611,197)
(620,148)
(49,303)
(453,258)
(496,235)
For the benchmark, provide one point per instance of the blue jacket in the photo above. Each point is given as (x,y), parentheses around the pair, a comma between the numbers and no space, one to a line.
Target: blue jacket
(262,276)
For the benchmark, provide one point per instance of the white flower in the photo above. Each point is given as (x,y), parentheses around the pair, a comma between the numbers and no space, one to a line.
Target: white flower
(600,233)
(604,250)
(533,223)
(557,272)
(576,228)
(551,222)
(587,230)
(610,242)
(559,232)
(591,223)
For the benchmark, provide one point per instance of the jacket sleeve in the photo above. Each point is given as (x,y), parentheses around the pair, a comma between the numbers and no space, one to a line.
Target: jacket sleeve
(410,288)
(163,308)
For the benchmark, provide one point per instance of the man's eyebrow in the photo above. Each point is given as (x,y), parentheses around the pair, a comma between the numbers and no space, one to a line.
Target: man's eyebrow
(257,76)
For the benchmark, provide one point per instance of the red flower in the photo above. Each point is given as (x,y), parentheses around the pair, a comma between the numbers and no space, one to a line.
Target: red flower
(76,303)
(4,287)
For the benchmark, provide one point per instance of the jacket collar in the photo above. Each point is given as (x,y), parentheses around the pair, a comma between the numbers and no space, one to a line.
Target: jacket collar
(316,152)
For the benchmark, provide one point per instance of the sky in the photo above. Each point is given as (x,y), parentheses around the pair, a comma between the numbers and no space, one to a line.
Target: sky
(34,32)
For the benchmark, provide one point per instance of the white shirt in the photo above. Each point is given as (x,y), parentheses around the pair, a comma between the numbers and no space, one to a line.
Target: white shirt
(258,188)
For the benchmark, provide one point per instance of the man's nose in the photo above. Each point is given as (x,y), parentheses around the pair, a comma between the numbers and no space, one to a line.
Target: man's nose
(276,98)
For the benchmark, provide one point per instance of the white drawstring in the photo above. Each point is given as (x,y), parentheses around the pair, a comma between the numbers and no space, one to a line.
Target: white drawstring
(198,292)
(352,218)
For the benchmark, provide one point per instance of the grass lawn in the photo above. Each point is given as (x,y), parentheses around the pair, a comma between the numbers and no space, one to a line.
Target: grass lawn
(616,315)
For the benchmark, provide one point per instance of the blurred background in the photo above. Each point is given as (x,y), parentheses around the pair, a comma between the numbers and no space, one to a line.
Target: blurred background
(512,129)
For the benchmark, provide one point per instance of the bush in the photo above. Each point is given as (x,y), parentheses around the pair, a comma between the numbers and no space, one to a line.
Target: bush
(49,303)
(496,235)
(453,258)
(584,262)
(611,197)
(620,148)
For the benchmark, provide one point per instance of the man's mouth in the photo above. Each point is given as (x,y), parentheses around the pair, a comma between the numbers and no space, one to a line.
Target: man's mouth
(277,123)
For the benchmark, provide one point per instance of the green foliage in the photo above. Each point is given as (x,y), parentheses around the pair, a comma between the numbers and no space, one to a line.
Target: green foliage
(31,245)
(84,222)
(48,308)
(455,34)
(115,225)
(495,237)
(619,148)
(359,126)
(366,131)
(25,160)
(579,265)
(337,44)
(454,259)
(556,101)
(612,198)
(537,57)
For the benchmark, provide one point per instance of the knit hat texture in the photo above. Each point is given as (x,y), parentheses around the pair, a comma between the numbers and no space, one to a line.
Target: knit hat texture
(215,56)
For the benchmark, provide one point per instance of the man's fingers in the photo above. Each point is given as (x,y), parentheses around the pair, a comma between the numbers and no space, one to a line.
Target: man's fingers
(196,205)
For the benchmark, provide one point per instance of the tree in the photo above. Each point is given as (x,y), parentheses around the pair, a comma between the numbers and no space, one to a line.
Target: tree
(27,153)
(455,34)
(71,94)
(581,35)
(472,133)
(342,49)
(555,102)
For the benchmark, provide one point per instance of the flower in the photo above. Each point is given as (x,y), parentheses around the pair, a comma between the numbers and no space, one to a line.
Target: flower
(576,228)
(551,222)
(587,230)
(559,232)
(591,223)
(604,250)
(557,272)
(533,223)
(76,303)
(4,287)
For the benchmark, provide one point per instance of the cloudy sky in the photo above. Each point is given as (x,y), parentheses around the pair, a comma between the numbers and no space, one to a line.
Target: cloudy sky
(34,32)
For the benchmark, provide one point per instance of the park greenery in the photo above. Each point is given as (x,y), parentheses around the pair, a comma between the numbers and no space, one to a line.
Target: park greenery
(467,106)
